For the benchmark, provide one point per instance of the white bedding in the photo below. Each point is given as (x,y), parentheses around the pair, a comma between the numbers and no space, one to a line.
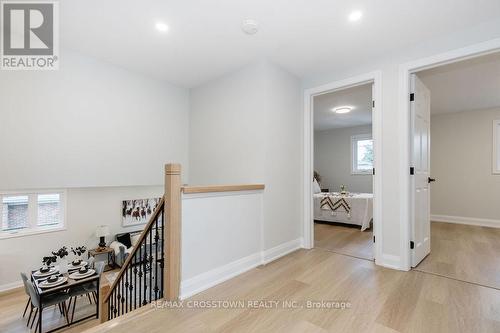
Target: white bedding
(361,209)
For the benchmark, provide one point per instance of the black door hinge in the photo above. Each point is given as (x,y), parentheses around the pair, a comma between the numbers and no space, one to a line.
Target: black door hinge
(412,97)
(374,171)
(373,103)
(412,171)
(374,238)
(412,245)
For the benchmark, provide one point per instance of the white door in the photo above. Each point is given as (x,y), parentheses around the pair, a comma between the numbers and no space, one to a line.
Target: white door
(420,103)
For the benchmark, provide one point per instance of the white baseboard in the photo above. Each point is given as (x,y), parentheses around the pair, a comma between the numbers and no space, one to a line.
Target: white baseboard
(390,261)
(281,250)
(9,286)
(218,275)
(466,220)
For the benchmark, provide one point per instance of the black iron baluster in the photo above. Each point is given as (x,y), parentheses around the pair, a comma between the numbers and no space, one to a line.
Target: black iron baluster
(157,239)
(135,282)
(138,264)
(145,269)
(150,259)
(162,264)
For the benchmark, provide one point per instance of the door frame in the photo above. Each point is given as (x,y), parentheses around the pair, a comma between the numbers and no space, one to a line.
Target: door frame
(405,70)
(374,77)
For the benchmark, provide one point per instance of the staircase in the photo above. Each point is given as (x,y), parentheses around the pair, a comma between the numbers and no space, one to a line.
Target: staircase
(152,270)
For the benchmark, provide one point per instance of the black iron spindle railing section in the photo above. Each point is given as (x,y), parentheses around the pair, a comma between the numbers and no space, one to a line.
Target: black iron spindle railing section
(140,280)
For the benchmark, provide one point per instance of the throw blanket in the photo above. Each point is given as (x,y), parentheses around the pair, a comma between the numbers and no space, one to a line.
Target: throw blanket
(354,208)
(328,204)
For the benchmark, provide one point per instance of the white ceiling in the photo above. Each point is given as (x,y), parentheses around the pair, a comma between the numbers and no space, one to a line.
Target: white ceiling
(360,98)
(467,85)
(306,37)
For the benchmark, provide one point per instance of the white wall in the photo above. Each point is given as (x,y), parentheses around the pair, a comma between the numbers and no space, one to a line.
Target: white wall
(393,249)
(332,159)
(86,209)
(100,131)
(461,161)
(245,128)
(89,124)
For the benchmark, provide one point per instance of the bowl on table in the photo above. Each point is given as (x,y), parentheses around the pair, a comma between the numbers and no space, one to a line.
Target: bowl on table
(52,278)
(44,269)
(83,270)
(77,262)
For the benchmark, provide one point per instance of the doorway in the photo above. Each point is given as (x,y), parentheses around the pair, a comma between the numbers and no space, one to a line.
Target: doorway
(343,209)
(343,171)
(455,228)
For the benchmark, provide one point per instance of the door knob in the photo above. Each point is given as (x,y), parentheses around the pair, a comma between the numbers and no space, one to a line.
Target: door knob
(430,180)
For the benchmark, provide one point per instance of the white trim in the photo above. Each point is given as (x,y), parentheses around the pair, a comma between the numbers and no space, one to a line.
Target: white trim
(308,154)
(496,147)
(187,196)
(405,70)
(10,286)
(354,154)
(281,250)
(218,275)
(466,220)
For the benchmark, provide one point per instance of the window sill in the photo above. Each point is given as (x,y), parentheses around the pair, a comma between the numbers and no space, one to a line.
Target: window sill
(30,232)
(361,173)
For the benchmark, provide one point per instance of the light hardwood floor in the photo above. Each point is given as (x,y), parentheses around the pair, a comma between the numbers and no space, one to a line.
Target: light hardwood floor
(344,240)
(12,306)
(464,252)
(382,300)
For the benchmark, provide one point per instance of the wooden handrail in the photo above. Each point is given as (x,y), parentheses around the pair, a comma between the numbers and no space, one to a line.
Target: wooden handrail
(172,233)
(135,249)
(222,188)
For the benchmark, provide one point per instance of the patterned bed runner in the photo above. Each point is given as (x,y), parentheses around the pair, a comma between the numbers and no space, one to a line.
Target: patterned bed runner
(328,204)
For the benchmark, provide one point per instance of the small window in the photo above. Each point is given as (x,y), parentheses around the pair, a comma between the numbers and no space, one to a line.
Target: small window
(29,213)
(496,146)
(362,154)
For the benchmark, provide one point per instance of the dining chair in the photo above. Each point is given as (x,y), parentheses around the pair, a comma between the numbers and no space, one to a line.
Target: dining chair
(25,278)
(88,289)
(56,299)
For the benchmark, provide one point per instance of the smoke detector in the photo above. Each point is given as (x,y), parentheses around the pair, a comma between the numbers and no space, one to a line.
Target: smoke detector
(250,26)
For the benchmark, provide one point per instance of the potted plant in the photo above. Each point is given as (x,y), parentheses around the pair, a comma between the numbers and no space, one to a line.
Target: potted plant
(63,263)
(78,251)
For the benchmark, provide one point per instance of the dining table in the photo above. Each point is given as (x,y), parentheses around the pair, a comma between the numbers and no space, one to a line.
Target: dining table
(43,293)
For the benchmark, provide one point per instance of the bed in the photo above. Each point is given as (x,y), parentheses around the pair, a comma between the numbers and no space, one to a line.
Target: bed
(353,208)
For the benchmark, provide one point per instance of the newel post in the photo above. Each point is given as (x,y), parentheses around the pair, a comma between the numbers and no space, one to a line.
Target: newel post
(172,231)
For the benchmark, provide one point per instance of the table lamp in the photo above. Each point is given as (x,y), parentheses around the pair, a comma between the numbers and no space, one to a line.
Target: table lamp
(101,232)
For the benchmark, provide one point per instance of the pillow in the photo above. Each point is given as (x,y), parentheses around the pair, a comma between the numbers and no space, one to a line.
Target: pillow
(125,240)
(316,188)
(134,239)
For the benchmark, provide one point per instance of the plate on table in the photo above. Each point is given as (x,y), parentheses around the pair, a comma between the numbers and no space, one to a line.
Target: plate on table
(73,267)
(78,275)
(51,271)
(46,284)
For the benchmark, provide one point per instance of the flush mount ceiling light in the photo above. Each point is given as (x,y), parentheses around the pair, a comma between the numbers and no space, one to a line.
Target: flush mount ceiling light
(250,26)
(161,27)
(355,16)
(342,109)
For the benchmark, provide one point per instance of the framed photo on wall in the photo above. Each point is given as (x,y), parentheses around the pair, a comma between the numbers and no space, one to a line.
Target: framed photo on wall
(138,211)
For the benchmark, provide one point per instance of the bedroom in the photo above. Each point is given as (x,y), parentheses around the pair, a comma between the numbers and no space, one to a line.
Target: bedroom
(343,171)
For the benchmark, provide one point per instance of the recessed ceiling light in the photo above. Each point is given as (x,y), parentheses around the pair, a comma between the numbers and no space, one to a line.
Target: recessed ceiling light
(250,26)
(342,109)
(162,27)
(355,16)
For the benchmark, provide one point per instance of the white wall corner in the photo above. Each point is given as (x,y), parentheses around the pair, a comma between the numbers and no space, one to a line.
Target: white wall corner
(466,220)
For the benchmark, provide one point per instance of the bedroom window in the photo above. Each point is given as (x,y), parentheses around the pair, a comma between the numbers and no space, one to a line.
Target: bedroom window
(31,213)
(362,154)
(496,147)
